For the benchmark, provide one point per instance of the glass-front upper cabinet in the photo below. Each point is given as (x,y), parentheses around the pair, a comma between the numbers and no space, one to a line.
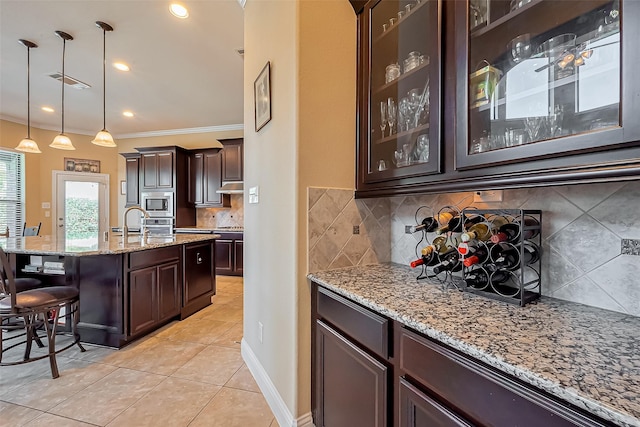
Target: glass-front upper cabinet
(400,89)
(541,78)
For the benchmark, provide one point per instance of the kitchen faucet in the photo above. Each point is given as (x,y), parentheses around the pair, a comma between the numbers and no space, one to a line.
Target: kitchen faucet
(125,228)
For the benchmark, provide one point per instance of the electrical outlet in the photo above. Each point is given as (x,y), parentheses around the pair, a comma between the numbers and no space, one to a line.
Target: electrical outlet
(356,229)
(260,331)
(488,196)
(407,229)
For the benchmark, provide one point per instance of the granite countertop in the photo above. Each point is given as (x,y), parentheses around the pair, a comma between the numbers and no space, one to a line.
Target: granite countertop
(584,355)
(49,245)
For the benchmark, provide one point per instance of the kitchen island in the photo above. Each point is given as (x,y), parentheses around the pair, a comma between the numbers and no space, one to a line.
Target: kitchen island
(128,287)
(574,356)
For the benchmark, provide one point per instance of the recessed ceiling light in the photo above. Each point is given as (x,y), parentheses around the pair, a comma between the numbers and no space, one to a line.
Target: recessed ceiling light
(121,66)
(48,109)
(179,10)
(127,113)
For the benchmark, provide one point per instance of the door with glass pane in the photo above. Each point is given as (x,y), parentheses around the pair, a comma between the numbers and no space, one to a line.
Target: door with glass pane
(400,127)
(81,207)
(543,79)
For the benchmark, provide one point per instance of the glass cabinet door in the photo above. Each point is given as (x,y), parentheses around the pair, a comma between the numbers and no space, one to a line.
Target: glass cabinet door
(541,78)
(401,89)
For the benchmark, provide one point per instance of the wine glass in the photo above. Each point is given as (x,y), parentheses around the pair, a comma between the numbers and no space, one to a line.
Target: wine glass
(532,126)
(383,117)
(392,112)
(404,113)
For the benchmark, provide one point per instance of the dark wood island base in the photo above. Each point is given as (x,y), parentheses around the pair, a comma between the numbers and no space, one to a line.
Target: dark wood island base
(127,291)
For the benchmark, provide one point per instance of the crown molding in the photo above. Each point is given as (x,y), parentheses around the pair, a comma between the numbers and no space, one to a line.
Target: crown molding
(205,129)
(168,132)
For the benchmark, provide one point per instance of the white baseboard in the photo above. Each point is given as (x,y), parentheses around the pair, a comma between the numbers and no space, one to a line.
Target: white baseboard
(274,400)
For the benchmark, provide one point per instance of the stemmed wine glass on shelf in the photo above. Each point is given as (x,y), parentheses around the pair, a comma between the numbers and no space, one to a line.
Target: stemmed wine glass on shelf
(392,112)
(383,117)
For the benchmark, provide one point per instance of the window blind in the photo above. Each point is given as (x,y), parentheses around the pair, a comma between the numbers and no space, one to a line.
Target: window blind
(11,192)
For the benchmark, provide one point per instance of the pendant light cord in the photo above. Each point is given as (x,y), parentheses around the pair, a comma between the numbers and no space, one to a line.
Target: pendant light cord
(104,79)
(64,46)
(28,93)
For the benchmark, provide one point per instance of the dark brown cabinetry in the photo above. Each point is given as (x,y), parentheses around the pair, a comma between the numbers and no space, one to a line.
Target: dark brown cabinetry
(154,288)
(157,170)
(166,169)
(400,91)
(351,378)
(229,255)
(199,277)
(205,179)
(358,375)
(132,173)
(526,100)
(232,159)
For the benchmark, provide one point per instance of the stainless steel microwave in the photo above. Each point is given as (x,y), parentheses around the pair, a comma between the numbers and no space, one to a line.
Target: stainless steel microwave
(157,204)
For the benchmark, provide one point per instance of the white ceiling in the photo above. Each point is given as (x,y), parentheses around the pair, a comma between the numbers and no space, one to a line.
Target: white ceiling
(185,74)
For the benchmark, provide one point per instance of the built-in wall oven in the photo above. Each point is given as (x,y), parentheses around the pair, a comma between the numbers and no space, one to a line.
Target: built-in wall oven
(158,204)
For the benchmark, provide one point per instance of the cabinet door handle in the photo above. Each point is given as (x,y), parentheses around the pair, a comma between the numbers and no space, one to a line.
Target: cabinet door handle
(198,258)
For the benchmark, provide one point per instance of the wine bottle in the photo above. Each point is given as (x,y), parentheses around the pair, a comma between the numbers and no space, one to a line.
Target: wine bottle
(430,223)
(508,232)
(439,245)
(507,256)
(449,261)
(478,256)
(511,231)
(429,259)
(479,231)
(455,224)
(478,279)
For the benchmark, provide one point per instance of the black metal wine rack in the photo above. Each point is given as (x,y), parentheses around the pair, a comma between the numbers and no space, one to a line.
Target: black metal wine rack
(520,283)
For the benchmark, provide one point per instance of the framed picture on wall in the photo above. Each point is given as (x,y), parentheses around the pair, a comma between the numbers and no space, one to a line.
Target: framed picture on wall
(81,165)
(262,97)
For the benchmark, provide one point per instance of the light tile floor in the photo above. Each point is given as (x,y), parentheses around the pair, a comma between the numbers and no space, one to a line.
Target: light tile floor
(188,373)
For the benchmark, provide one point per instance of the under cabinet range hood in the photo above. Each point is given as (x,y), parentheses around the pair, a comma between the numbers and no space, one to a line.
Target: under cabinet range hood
(235,187)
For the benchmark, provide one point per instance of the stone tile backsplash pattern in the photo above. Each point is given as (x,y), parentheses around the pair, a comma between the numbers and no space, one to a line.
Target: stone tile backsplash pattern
(583,229)
(222,217)
(332,215)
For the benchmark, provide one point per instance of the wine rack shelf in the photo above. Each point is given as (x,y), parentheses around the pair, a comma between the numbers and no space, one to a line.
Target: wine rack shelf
(522,281)
(502,260)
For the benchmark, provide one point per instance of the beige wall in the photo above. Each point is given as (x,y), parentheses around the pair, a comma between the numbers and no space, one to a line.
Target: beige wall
(39,166)
(310,141)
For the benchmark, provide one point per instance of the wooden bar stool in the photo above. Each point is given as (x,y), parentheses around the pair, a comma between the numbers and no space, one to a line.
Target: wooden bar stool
(38,308)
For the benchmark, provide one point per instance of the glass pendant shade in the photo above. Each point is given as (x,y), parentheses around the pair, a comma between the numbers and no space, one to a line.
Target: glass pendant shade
(104,139)
(62,142)
(28,145)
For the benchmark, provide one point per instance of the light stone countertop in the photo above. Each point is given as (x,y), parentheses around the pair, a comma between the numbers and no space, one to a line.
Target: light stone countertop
(49,245)
(587,356)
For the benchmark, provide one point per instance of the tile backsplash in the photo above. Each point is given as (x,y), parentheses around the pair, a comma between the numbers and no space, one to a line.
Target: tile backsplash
(222,217)
(586,231)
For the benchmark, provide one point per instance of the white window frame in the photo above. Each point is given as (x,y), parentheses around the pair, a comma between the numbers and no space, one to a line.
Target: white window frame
(12,192)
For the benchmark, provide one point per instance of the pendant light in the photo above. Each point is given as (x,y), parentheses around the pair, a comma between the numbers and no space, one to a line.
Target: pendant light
(62,141)
(28,145)
(104,138)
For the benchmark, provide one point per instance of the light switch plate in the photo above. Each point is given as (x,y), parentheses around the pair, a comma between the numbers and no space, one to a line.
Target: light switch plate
(46,205)
(254,194)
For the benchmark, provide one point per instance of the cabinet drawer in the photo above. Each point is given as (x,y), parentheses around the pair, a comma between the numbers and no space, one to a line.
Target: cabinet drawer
(418,410)
(364,326)
(153,257)
(480,394)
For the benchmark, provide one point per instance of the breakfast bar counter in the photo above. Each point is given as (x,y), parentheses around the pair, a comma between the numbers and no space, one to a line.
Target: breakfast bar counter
(128,287)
